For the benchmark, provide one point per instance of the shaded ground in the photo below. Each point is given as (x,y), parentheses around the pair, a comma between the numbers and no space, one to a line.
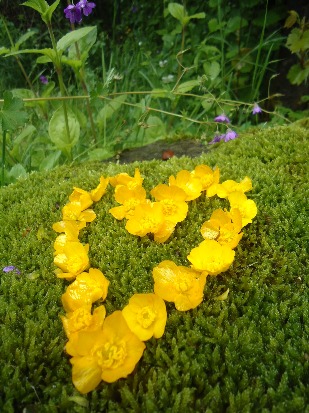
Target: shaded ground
(161,149)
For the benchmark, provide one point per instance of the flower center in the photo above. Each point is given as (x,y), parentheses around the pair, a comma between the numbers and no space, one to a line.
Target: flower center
(111,356)
(146,317)
(183,284)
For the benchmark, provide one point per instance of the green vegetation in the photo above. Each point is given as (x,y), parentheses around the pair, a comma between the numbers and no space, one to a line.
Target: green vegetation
(248,353)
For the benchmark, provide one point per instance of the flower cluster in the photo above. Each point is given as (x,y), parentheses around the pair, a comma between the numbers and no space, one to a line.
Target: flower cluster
(107,347)
(75,12)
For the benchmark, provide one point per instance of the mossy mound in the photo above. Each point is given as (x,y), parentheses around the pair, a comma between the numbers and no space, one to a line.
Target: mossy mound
(248,353)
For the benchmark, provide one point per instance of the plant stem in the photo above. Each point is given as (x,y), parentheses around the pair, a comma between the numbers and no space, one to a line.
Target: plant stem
(3,156)
(58,68)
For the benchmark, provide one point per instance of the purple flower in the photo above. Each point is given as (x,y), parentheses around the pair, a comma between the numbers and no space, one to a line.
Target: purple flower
(73,13)
(10,268)
(256,109)
(217,138)
(85,7)
(230,135)
(43,79)
(222,118)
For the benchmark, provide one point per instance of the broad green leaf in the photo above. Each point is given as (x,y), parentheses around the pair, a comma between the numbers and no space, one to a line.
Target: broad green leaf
(43,59)
(298,40)
(100,154)
(25,134)
(193,16)
(297,75)
(72,37)
(58,133)
(161,93)
(12,115)
(24,94)
(84,46)
(50,161)
(187,86)
(74,63)
(39,5)
(109,109)
(47,15)
(17,171)
(212,69)
(177,11)
(208,101)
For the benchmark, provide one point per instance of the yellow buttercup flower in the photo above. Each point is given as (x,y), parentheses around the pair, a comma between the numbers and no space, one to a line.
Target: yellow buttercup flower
(211,257)
(186,181)
(127,180)
(206,176)
(247,207)
(81,319)
(108,354)
(146,316)
(97,193)
(147,218)
(85,290)
(74,211)
(224,227)
(172,199)
(129,198)
(72,260)
(82,197)
(227,187)
(180,285)
(62,240)
(164,232)
(71,228)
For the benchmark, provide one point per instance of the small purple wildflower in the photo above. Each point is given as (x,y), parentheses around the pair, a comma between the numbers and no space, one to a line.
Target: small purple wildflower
(222,118)
(43,80)
(85,7)
(134,9)
(217,138)
(73,13)
(230,135)
(256,109)
(10,268)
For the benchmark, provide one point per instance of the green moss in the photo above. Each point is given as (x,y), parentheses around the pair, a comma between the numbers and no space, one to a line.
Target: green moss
(249,353)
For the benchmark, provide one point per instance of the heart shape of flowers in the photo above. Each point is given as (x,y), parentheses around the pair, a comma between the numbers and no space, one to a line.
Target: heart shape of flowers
(108,347)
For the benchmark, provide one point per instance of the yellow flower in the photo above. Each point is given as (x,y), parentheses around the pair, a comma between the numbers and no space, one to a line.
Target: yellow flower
(71,228)
(172,199)
(180,285)
(146,316)
(229,186)
(211,257)
(224,227)
(82,197)
(147,218)
(206,176)
(73,211)
(127,180)
(81,319)
(191,185)
(247,207)
(97,193)
(72,260)
(164,232)
(108,354)
(129,198)
(62,240)
(85,290)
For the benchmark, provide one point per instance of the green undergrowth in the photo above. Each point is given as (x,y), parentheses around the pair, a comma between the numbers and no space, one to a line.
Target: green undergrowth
(248,353)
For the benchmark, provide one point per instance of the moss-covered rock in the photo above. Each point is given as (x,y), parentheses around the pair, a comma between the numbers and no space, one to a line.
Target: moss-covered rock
(248,353)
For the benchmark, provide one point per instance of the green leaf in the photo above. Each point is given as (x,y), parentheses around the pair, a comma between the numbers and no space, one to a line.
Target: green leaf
(4,50)
(177,11)
(47,15)
(291,20)
(17,171)
(297,75)
(50,53)
(39,5)
(50,161)
(24,38)
(84,46)
(74,63)
(187,86)
(298,40)
(58,133)
(100,154)
(67,40)
(212,69)
(12,115)
(109,109)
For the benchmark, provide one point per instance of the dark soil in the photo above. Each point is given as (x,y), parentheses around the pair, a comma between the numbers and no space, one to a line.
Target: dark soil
(161,150)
